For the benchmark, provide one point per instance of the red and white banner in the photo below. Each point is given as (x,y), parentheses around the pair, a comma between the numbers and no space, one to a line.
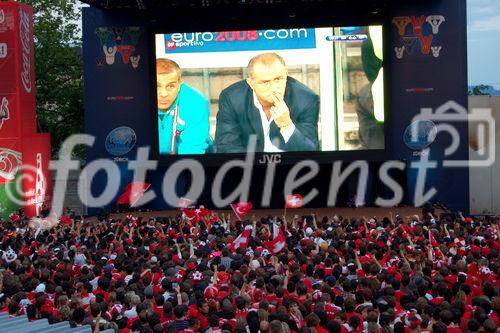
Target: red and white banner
(241,242)
(432,240)
(18,110)
(17,71)
(293,201)
(279,241)
(133,192)
(36,176)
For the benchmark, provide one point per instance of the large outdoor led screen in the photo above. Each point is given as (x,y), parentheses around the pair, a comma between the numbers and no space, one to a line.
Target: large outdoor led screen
(271,91)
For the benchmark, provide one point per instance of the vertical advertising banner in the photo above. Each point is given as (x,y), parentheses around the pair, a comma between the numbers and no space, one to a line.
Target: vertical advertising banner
(36,180)
(429,93)
(24,154)
(17,72)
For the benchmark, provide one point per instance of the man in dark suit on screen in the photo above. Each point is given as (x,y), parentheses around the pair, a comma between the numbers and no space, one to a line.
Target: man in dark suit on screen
(280,111)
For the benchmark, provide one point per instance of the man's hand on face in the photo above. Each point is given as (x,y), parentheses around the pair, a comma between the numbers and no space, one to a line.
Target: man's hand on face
(280,112)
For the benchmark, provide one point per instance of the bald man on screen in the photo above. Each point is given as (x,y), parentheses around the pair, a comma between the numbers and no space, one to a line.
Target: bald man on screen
(279,110)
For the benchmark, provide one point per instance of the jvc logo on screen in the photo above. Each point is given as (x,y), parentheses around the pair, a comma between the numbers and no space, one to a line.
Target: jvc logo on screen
(270,158)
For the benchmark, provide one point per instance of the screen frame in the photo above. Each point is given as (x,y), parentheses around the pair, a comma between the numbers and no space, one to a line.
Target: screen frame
(286,158)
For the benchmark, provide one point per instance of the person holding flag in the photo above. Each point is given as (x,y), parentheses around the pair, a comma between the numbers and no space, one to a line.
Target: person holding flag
(278,242)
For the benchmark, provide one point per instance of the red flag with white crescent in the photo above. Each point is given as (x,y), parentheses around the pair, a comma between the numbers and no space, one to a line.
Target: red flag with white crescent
(191,215)
(241,209)
(202,211)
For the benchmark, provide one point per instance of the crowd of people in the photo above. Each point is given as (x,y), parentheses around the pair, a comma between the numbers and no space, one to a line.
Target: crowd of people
(334,275)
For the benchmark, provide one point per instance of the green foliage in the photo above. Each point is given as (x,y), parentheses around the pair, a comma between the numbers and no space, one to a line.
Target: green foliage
(481,89)
(59,70)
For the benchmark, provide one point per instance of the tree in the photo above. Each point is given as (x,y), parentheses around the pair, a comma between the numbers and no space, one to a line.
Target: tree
(481,89)
(59,70)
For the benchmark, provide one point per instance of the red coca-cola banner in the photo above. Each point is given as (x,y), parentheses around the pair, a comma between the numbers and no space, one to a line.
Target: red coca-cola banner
(37,183)
(25,155)
(17,72)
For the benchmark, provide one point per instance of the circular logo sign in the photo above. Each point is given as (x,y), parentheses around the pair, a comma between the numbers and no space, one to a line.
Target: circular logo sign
(120,141)
(420,134)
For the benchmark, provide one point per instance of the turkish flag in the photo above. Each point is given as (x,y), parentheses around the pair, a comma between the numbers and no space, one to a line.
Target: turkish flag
(279,241)
(241,209)
(191,215)
(195,215)
(432,240)
(293,201)
(241,241)
(133,192)
(202,211)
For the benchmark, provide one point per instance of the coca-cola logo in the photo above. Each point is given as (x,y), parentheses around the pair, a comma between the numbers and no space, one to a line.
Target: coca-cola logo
(24,37)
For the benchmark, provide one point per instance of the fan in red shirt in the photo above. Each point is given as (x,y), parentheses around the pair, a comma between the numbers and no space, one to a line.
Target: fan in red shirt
(200,311)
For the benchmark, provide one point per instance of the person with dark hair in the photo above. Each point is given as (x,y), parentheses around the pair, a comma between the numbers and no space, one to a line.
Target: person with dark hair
(96,318)
(180,312)
(333,327)
(312,321)
(439,327)
(183,113)
(194,326)
(200,310)
(31,312)
(78,317)
(446,316)
(253,322)
(14,309)
(279,111)
(214,324)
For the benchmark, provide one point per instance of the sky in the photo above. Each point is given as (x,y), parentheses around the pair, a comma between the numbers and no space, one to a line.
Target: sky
(483,42)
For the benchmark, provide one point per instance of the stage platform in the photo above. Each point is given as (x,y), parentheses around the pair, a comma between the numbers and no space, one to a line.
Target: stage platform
(368,212)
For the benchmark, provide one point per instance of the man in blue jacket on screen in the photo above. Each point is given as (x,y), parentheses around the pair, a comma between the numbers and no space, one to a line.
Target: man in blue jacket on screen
(280,111)
(183,113)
